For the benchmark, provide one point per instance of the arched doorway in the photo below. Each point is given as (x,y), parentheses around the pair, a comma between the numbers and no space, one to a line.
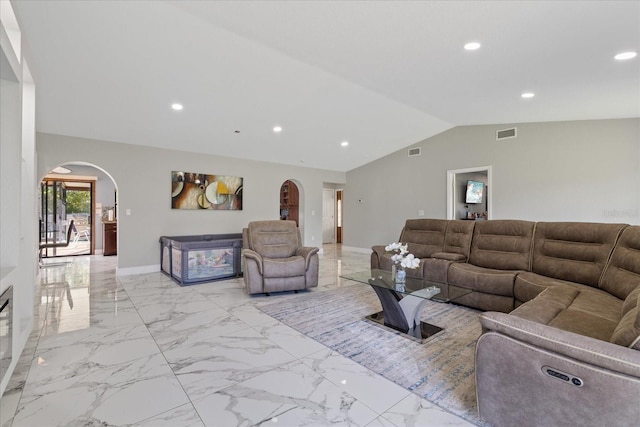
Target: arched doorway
(86,194)
(290,202)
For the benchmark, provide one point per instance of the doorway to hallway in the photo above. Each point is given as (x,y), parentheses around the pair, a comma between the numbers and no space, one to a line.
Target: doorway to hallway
(332,215)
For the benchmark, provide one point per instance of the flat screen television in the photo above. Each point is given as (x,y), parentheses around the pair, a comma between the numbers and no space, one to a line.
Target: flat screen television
(475,192)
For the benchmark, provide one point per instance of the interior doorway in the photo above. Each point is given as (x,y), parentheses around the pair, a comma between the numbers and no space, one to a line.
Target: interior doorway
(290,201)
(328,215)
(332,213)
(477,207)
(339,216)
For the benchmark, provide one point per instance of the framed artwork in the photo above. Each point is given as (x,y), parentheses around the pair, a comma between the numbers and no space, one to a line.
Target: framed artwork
(201,191)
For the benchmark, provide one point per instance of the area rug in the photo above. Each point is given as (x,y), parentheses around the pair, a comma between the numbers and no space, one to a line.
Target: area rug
(441,369)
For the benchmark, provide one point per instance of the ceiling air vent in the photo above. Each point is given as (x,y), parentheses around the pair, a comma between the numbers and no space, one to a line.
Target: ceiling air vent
(506,133)
(414,152)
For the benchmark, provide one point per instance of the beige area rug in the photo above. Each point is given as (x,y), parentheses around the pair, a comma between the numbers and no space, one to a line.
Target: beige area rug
(440,370)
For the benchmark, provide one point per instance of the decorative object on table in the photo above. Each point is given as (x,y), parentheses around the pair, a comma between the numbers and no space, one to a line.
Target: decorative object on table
(200,191)
(108,213)
(402,260)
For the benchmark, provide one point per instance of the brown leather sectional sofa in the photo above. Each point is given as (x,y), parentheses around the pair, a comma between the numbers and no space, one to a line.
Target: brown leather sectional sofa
(561,331)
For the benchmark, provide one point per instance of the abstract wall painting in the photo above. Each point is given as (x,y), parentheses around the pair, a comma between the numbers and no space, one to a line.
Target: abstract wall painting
(201,191)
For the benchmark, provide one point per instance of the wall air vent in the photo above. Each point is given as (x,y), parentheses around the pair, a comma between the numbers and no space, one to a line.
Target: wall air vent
(506,133)
(414,152)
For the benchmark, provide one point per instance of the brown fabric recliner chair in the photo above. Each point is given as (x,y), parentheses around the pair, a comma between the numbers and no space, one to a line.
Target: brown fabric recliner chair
(274,259)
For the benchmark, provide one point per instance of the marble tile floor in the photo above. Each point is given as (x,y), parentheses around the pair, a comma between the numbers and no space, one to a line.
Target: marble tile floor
(142,351)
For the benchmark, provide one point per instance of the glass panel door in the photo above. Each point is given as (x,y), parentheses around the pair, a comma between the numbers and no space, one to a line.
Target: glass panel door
(78,208)
(62,202)
(53,223)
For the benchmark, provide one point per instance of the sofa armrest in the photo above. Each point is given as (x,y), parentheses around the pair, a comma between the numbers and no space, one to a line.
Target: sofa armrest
(529,374)
(307,252)
(578,347)
(376,253)
(254,256)
(379,250)
(449,256)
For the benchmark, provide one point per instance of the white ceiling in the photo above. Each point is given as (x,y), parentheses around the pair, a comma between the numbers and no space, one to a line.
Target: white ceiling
(381,74)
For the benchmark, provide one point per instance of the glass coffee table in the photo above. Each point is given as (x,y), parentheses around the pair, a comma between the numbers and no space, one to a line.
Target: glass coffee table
(403,302)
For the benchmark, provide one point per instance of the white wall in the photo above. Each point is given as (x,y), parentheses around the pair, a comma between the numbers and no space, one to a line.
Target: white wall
(18,220)
(556,171)
(143,178)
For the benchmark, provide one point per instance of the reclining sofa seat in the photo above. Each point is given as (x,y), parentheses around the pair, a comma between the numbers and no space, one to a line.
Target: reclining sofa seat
(274,259)
(587,333)
(423,237)
(598,279)
(566,253)
(500,250)
(457,244)
(450,240)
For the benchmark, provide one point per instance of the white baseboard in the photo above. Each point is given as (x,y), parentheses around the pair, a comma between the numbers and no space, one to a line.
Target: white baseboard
(143,269)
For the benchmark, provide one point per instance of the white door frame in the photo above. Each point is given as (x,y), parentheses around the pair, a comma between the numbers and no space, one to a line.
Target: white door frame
(452,189)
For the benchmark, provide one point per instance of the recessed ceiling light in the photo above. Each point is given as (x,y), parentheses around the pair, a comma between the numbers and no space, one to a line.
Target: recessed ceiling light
(528,95)
(177,106)
(344,143)
(472,46)
(277,129)
(625,55)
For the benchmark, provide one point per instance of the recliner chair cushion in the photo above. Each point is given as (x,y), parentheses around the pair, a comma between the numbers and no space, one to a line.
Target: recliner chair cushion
(283,267)
(274,239)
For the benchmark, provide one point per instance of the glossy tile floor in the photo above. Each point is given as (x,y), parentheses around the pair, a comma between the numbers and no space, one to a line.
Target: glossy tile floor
(142,351)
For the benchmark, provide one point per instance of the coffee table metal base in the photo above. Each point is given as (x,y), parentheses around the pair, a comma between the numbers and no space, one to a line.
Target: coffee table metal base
(419,332)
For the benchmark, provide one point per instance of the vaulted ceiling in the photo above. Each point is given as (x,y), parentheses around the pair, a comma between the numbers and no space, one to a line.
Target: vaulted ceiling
(381,75)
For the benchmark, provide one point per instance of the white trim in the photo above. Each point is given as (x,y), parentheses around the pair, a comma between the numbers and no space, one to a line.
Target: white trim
(143,269)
